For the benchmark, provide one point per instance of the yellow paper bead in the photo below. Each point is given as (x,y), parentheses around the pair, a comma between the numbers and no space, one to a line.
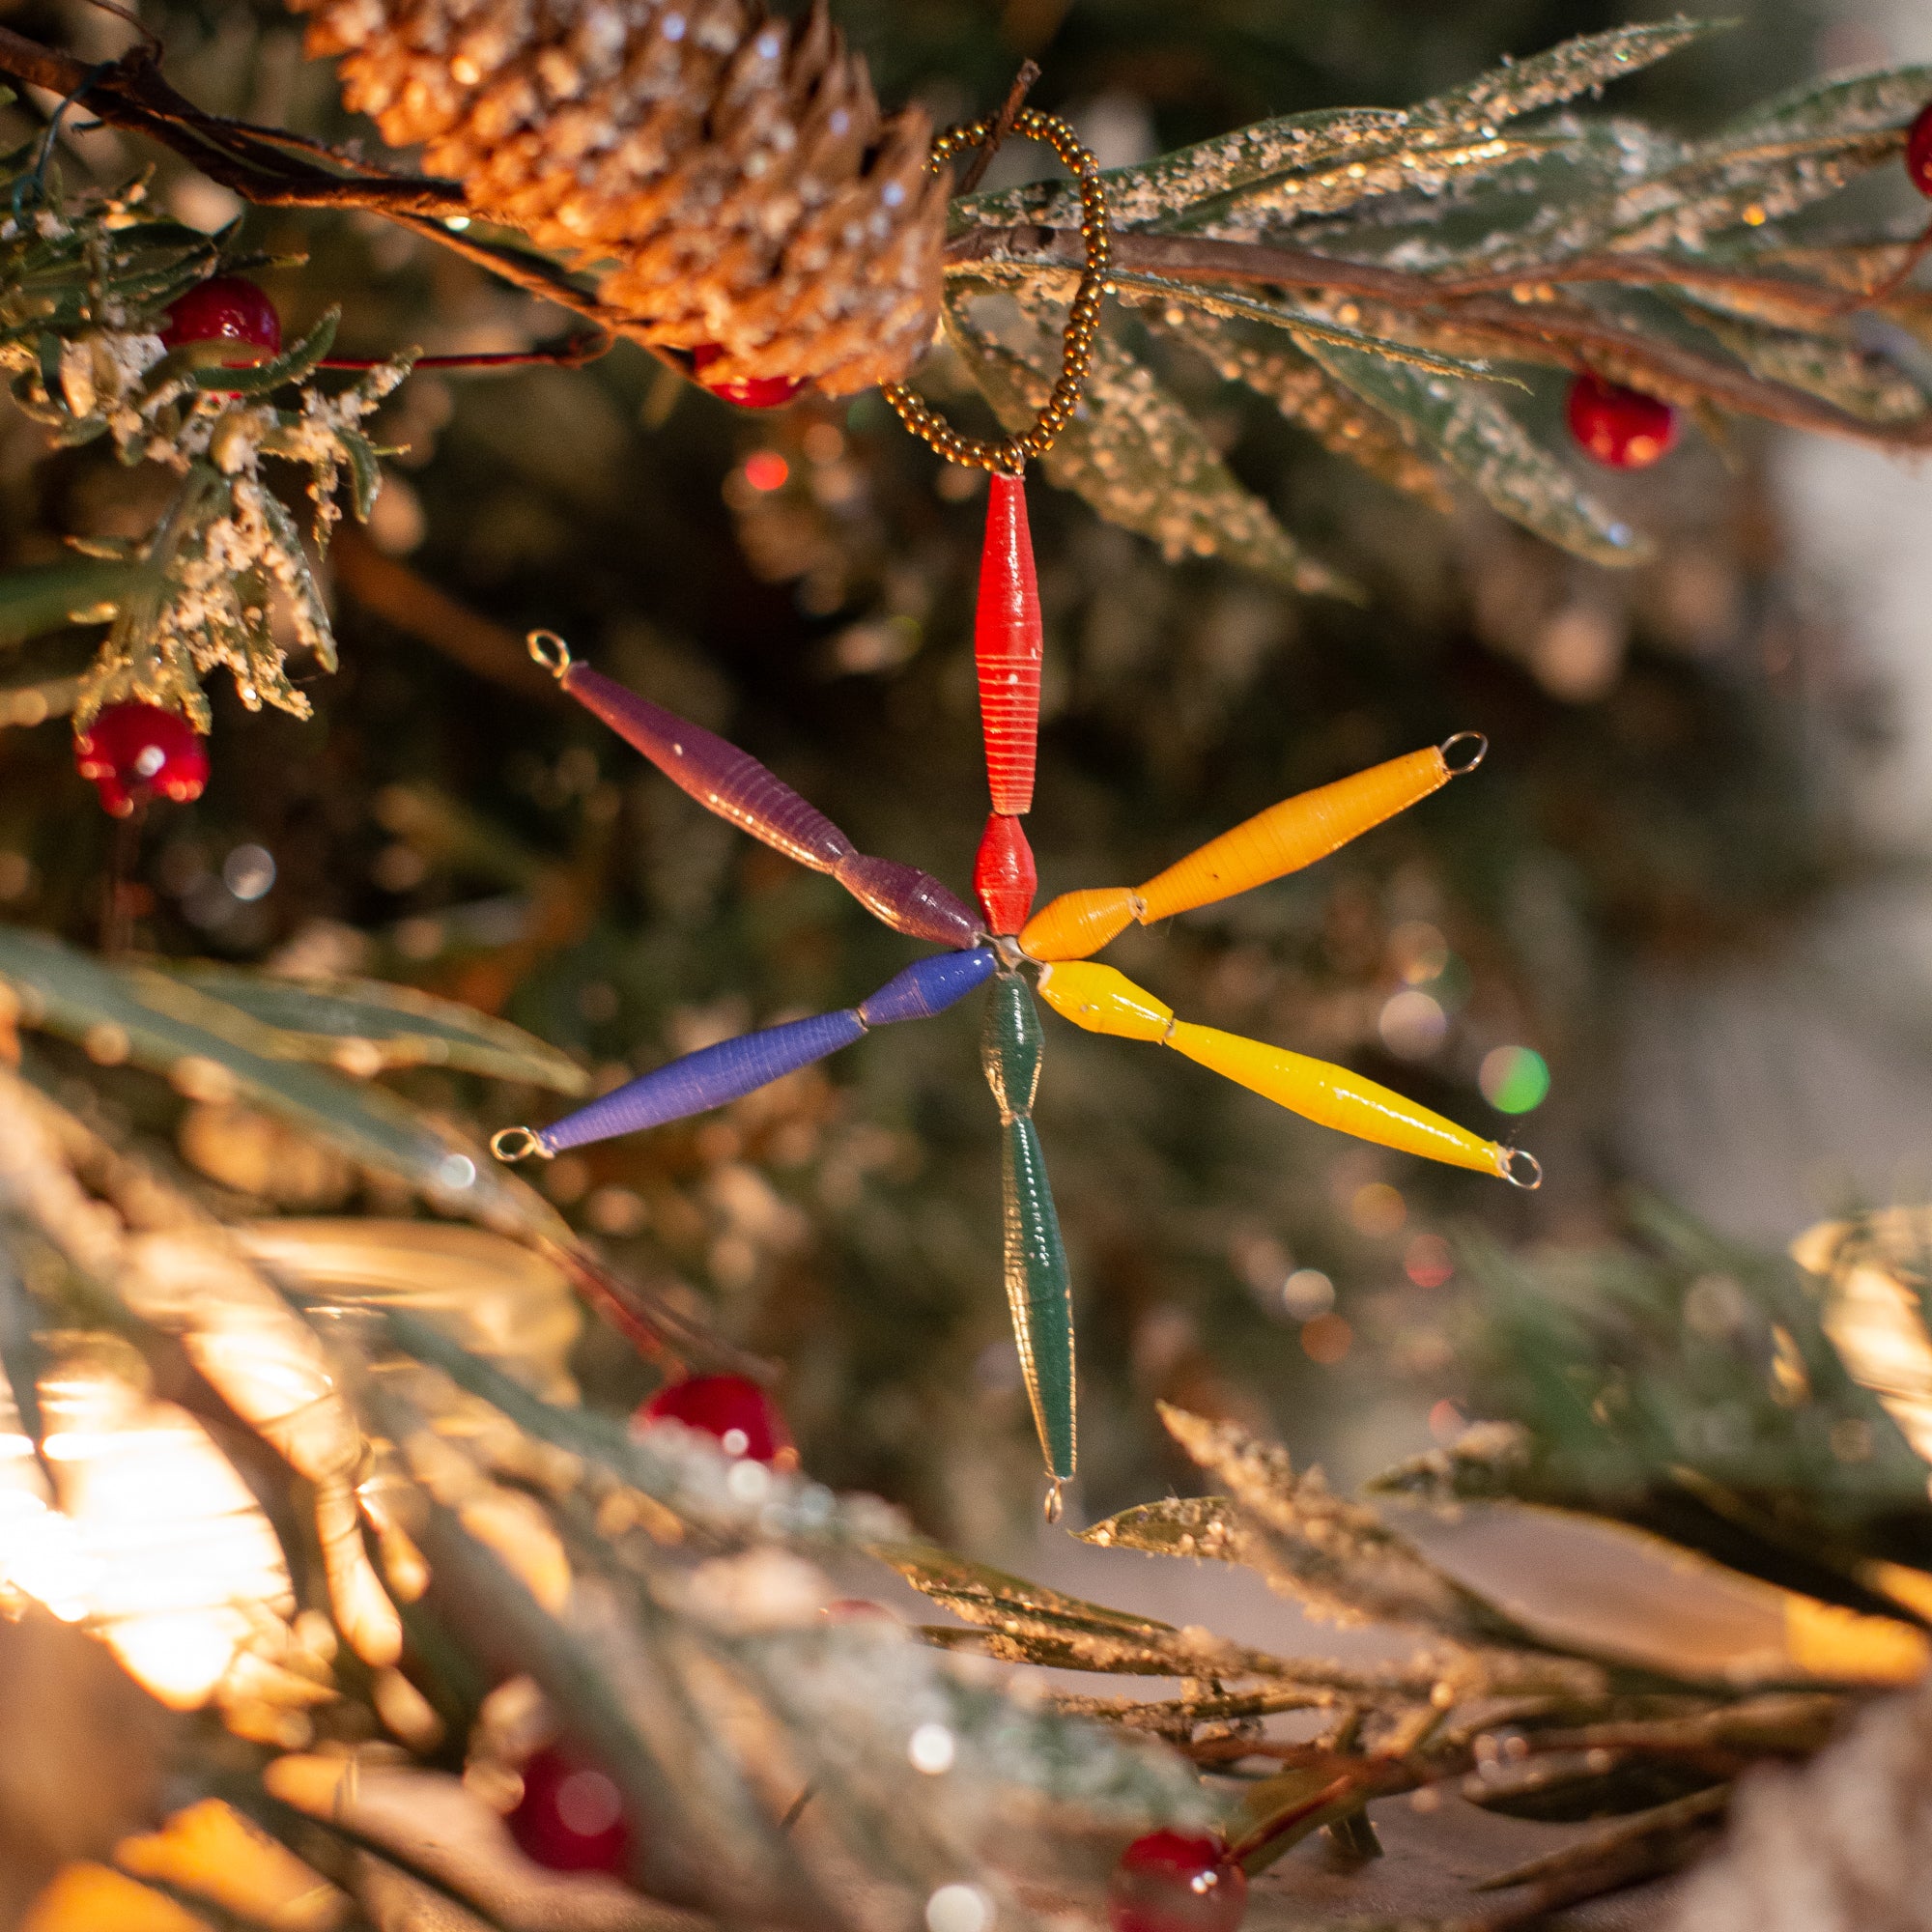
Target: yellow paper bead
(1291,835)
(1334,1098)
(1077,924)
(1104,1000)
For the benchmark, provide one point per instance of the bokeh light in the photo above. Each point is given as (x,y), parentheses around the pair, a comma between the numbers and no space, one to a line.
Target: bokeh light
(1327,1339)
(767,471)
(1378,1210)
(1513,1079)
(1308,1292)
(1427,1261)
(1413,1025)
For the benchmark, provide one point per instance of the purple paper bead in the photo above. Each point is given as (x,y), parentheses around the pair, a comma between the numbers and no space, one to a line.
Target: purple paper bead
(909,900)
(718,775)
(734,785)
(705,1079)
(929,986)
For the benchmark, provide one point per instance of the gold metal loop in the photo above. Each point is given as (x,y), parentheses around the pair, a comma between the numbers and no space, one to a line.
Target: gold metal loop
(1082,317)
(514,1144)
(1478,749)
(1530,1179)
(549,651)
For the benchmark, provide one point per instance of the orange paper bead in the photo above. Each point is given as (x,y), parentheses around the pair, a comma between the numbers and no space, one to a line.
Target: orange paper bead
(1334,1098)
(1003,875)
(1293,834)
(1077,924)
(1006,648)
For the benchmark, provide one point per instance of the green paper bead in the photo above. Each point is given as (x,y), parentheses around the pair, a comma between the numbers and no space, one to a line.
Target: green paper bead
(1039,1292)
(1010,1045)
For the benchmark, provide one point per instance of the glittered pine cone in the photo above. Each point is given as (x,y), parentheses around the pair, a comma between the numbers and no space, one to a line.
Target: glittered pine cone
(733,171)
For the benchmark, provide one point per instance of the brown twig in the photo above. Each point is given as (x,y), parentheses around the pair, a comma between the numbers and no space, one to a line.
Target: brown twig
(130,93)
(1002,126)
(403,597)
(572,353)
(1661,1818)
(1623,1860)
(1559,332)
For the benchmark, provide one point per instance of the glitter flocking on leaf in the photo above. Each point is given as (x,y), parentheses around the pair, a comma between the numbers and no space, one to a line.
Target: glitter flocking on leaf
(1002,946)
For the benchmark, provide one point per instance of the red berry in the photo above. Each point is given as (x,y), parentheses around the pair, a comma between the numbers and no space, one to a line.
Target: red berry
(749,392)
(226,309)
(133,751)
(571,1815)
(739,1413)
(856,1610)
(1172,1882)
(1622,428)
(1919,151)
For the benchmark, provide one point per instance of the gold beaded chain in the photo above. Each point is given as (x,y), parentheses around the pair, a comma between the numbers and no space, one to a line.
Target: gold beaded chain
(1083,318)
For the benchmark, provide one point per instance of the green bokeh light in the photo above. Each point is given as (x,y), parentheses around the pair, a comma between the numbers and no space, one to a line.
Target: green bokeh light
(1513,1079)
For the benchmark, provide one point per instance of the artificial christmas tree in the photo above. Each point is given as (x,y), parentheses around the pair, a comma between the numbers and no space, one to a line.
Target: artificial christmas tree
(337,1477)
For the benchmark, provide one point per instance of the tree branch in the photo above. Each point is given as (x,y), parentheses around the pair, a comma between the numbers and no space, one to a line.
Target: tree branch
(276,169)
(1556,331)
(256,162)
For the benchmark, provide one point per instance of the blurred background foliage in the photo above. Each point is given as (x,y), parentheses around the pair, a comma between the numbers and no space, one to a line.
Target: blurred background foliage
(1668,781)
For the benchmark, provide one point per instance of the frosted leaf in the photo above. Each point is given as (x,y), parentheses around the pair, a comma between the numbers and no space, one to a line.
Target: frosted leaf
(1768,163)
(1861,383)
(1298,319)
(1488,1459)
(1198,1526)
(1466,426)
(1139,197)
(1429,169)
(1031,1622)
(1882,101)
(1134,453)
(1563,72)
(1342,156)
(1747,186)
(1338,1558)
(1306,394)
(859,1698)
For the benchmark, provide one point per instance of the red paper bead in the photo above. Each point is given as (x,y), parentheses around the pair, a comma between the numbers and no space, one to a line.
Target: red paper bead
(571,1815)
(739,1413)
(138,751)
(1919,151)
(1006,648)
(226,309)
(1004,876)
(1622,428)
(749,392)
(1173,1882)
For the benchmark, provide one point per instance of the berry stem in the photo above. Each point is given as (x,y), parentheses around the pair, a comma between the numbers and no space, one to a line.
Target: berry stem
(117,912)
(571,353)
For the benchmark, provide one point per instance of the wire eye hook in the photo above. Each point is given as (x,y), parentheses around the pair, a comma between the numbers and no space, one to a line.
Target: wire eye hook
(551,651)
(1053,1505)
(1474,748)
(514,1144)
(1530,1178)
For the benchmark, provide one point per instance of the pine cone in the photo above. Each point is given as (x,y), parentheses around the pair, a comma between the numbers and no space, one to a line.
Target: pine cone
(734,168)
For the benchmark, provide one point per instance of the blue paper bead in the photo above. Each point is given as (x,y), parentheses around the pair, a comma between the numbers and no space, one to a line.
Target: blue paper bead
(705,1079)
(929,986)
